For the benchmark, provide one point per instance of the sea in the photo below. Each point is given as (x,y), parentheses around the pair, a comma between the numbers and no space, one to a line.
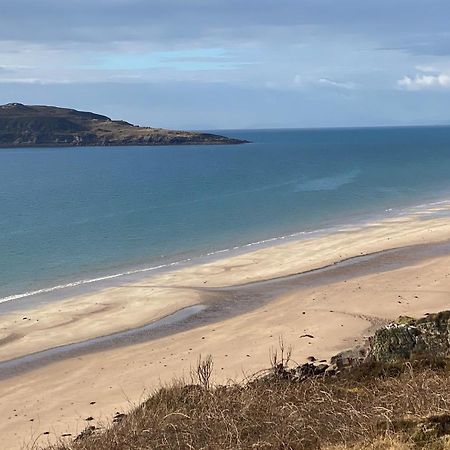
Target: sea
(79,216)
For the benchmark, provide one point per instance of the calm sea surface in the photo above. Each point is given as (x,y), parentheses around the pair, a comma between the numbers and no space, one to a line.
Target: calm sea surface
(68,215)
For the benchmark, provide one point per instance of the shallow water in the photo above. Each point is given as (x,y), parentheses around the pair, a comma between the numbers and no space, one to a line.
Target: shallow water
(75,215)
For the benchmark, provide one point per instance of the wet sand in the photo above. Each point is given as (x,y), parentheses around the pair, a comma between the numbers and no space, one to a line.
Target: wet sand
(219,304)
(137,304)
(336,288)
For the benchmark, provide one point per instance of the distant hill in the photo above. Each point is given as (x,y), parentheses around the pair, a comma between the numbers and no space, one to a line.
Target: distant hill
(46,126)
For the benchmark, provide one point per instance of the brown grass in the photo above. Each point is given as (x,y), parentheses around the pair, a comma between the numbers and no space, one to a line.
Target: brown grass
(399,407)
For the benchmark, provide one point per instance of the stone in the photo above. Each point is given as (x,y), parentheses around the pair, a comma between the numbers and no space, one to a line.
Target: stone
(407,337)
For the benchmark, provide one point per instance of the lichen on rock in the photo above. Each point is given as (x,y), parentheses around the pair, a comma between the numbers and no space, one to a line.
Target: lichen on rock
(404,338)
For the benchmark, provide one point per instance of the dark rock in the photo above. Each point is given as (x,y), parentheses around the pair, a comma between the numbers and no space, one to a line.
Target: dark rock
(88,431)
(119,417)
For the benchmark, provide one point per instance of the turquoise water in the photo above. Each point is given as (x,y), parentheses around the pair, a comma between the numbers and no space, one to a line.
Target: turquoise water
(68,215)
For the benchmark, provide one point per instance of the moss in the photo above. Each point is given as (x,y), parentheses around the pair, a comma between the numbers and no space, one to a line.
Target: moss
(405,320)
(407,337)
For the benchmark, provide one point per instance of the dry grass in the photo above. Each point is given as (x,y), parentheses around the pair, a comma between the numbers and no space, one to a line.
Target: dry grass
(376,407)
(391,443)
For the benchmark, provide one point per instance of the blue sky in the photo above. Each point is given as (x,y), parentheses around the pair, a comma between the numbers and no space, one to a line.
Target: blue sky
(210,64)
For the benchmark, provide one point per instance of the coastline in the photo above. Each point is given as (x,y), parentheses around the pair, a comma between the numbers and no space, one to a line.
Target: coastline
(356,279)
(219,304)
(63,290)
(146,299)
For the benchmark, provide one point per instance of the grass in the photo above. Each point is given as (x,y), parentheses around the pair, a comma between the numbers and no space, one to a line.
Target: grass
(398,407)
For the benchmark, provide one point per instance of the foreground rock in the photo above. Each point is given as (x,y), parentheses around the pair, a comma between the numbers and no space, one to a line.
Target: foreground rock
(399,341)
(408,337)
(46,126)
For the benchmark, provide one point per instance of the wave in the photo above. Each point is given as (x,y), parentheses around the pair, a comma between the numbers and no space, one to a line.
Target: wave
(153,268)
(82,282)
(262,242)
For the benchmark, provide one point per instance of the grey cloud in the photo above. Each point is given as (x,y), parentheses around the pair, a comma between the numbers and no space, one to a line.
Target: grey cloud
(166,22)
(265,44)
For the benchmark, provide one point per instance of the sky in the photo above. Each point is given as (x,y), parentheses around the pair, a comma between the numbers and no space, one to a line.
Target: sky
(228,64)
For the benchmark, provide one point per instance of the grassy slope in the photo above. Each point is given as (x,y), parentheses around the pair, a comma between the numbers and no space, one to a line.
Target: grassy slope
(402,406)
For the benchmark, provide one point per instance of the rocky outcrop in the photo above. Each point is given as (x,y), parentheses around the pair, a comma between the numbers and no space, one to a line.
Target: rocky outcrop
(396,342)
(45,126)
(407,337)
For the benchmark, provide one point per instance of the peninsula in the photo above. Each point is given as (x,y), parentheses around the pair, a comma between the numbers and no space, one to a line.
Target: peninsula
(50,126)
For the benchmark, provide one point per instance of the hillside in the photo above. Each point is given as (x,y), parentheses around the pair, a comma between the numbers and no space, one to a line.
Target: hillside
(391,394)
(46,126)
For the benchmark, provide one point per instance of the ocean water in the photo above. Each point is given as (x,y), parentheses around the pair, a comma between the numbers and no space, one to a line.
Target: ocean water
(69,216)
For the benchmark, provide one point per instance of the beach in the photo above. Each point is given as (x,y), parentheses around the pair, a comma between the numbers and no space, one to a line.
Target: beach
(224,225)
(320,294)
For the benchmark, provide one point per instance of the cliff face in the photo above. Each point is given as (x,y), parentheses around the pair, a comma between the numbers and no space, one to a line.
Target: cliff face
(39,126)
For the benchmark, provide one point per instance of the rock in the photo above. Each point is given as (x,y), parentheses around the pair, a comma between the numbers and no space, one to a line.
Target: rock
(88,431)
(349,358)
(406,337)
(302,372)
(119,417)
(309,370)
(394,342)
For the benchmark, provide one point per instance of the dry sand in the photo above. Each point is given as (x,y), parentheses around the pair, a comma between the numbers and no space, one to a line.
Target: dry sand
(338,312)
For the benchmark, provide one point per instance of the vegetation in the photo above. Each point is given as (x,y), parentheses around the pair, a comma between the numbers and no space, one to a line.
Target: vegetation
(392,394)
(32,126)
(405,405)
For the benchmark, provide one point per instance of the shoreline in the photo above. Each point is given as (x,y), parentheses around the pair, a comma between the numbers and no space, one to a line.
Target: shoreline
(245,297)
(23,301)
(134,305)
(322,295)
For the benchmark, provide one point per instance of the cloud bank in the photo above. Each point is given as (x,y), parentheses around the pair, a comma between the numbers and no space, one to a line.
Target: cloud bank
(293,59)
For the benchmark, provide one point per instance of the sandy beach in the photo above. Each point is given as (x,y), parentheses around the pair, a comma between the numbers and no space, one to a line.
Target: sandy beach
(336,288)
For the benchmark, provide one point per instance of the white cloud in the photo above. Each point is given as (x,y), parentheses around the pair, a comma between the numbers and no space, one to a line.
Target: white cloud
(335,84)
(300,81)
(420,82)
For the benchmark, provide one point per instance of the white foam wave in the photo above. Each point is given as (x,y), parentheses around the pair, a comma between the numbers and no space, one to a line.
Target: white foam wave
(82,282)
(149,269)
(262,242)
